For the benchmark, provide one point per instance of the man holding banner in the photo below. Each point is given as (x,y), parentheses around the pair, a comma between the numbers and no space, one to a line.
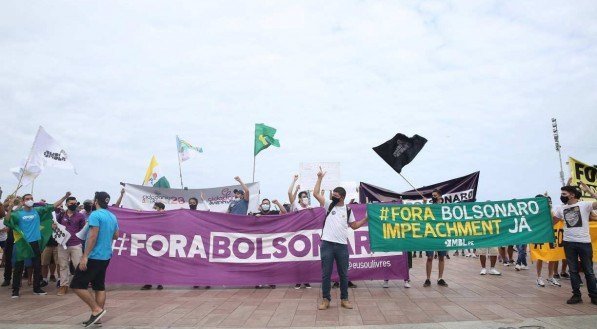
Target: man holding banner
(577,239)
(334,239)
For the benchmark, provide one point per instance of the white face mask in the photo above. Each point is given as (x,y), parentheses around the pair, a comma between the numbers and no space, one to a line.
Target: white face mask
(29,203)
(305,201)
(265,207)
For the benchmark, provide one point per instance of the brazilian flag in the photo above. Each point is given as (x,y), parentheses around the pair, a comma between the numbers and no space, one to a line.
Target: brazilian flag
(264,137)
(23,249)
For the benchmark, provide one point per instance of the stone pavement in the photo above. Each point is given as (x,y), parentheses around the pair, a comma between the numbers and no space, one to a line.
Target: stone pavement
(471,301)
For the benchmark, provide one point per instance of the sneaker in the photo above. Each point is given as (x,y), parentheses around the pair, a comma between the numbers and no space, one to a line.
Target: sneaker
(307,285)
(455,254)
(565,275)
(160,287)
(506,264)
(554,282)
(517,267)
(15,294)
(524,267)
(427,283)
(493,271)
(346,304)
(39,292)
(146,287)
(442,283)
(336,285)
(407,284)
(95,318)
(385,284)
(483,271)
(540,282)
(6,283)
(351,285)
(98,323)
(325,304)
(575,299)
(468,255)
(297,286)
(43,283)
(475,256)
(556,276)
(62,291)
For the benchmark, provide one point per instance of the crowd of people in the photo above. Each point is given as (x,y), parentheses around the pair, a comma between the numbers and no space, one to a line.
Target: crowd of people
(82,261)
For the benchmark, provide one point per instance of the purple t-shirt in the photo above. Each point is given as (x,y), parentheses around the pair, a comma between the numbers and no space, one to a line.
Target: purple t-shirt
(73,225)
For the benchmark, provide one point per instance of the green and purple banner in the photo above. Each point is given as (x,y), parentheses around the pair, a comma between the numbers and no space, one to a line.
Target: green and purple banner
(394,227)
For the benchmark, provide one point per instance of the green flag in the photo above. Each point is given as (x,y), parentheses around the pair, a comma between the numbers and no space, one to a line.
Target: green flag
(264,137)
(23,248)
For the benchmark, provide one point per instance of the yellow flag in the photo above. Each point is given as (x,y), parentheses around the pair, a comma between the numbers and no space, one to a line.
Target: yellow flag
(151,176)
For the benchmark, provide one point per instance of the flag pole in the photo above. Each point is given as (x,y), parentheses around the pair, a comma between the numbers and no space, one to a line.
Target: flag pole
(25,166)
(409,183)
(254,157)
(180,171)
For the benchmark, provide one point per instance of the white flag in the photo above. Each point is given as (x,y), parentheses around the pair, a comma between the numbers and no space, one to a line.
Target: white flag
(49,151)
(34,168)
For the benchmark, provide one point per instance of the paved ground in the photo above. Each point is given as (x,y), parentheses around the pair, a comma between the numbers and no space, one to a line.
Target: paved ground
(471,301)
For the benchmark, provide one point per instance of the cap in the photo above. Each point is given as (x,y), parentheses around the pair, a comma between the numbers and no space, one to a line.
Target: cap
(238,191)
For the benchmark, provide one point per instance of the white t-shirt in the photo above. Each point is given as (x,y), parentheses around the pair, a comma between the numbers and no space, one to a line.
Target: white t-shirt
(576,219)
(336,224)
(3,235)
(296,206)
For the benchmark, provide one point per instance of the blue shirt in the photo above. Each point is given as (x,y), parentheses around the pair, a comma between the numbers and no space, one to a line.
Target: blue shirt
(239,207)
(29,223)
(108,225)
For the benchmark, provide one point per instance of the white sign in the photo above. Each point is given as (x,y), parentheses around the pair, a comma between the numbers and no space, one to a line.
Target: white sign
(60,234)
(218,198)
(308,175)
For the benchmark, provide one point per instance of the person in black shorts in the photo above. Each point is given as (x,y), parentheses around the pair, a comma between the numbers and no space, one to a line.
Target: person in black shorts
(441,255)
(103,228)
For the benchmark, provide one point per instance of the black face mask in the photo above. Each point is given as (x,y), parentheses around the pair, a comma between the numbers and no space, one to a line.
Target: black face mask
(564,199)
(193,206)
(335,199)
(72,207)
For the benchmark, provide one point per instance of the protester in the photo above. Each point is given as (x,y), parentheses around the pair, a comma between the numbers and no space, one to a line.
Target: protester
(193,203)
(436,197)
(334,239)
(73,222)
(28,220)
(521,261)
(386,283)
(577,239)
(240,204)
(159,207)
(492,253)
(87,208)
(551,265)
(302,202)
(103,228)
(3,235)
(49,262)
(8,249)
(265,208)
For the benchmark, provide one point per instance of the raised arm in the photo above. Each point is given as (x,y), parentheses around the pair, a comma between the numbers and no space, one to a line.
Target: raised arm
(59,202)
(317,189)
(280,206)
(585,188)
(291,191)
(244,187)
(205,204)
(119,201)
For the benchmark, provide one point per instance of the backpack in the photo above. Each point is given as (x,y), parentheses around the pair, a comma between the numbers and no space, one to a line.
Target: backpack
(348,212)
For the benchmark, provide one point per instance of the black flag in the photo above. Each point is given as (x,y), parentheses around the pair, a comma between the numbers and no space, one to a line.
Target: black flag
(400,150)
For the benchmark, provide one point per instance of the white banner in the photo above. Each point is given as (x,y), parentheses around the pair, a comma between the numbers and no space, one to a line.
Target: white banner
(47,151)
(308,175)
(217,198)
(60,234)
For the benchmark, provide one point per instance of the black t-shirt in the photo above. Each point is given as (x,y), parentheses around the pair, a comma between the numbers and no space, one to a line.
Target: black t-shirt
(271,212)
(52,243)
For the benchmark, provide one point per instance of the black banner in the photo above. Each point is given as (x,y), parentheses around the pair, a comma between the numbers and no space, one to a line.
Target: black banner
(461,189)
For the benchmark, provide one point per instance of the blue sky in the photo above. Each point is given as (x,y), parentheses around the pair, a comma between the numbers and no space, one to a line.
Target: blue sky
(115,82)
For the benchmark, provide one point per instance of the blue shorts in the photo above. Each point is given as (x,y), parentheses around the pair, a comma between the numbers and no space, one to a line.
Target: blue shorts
(439,253)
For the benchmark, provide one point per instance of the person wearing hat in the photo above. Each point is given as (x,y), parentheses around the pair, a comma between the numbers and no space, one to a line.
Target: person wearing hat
(240,204)
(103,229)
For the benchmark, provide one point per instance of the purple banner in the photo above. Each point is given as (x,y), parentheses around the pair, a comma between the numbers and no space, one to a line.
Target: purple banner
(185,247)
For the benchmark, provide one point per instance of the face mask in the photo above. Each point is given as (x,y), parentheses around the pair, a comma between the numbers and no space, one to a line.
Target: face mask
(265,207)
(564,199)
(335,199)
(72,207)
(305,201)
(193,206)
(29,203)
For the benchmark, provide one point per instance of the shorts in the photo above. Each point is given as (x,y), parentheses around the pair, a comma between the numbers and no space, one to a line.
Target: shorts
(439,253)
(50,253)
(488,251)
(95,274)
